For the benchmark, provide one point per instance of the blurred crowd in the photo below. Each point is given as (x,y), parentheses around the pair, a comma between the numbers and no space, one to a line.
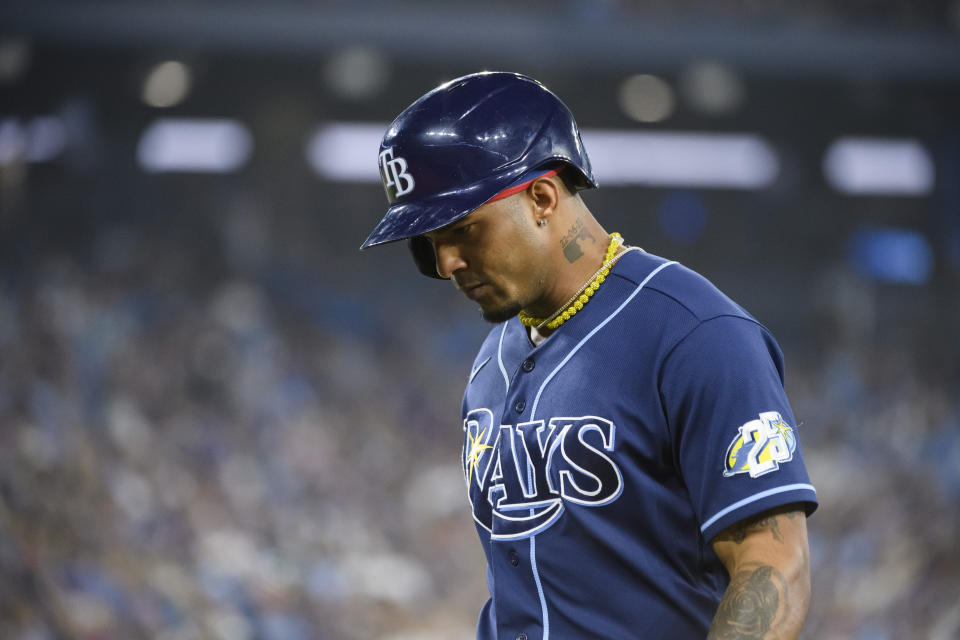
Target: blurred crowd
(192,450)
(201,437)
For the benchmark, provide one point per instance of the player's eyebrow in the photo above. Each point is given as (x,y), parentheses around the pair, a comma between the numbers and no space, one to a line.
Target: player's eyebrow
(470,218)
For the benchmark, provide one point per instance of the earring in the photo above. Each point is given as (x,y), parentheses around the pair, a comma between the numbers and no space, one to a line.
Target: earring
(543,223)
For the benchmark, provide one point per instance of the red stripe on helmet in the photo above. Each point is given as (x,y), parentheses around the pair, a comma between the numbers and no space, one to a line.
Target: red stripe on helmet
(517,188)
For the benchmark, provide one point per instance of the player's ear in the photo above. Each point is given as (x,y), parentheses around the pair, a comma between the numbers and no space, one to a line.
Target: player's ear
(545,194)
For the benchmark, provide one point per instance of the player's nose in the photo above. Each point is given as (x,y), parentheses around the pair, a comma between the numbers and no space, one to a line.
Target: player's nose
(449,260)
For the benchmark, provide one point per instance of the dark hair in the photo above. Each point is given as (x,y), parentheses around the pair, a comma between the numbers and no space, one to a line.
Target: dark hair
(572,179)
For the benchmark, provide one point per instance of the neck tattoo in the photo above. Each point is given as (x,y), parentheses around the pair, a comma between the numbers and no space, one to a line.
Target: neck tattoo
(581,297)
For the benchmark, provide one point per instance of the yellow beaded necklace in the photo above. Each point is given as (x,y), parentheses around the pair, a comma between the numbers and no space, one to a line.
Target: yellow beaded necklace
(581,297)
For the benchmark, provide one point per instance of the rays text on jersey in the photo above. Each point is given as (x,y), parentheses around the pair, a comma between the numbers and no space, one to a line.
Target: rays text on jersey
(520,477)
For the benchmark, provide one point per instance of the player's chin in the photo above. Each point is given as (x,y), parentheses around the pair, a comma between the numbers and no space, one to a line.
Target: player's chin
(500,313)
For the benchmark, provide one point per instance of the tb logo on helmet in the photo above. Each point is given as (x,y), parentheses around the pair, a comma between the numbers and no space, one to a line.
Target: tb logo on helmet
(393,171)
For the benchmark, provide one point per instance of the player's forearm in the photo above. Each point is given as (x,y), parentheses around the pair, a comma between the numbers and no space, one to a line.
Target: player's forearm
(761,603)
(768,560)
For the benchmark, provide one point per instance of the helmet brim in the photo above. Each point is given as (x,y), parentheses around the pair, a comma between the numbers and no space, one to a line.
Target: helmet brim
(405,220)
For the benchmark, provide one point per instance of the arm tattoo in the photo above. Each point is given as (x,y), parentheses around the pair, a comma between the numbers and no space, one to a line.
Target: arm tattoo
(750,606)
(739,532)
(573,239)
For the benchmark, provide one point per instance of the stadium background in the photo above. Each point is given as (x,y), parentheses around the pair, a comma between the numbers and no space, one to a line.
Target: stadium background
(219,420)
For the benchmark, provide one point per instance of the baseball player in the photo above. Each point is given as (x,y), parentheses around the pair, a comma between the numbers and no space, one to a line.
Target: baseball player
(629,453)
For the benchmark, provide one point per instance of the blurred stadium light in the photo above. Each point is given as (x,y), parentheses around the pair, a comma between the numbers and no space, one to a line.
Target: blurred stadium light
(357,72)
(891,255)
(194,145)
(712,88)
(14,59)
(646,98)
(669,158)
(345,151)
(167,84)
(879,166)
(40,139)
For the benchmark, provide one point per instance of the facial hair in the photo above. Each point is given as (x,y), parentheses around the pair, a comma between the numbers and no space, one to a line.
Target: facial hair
(502,314)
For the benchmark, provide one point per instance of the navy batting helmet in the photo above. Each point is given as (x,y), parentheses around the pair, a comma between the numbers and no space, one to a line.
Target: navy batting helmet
(461,145)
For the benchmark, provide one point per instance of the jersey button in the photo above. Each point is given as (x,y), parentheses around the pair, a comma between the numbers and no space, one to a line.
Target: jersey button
(514,557)
(528,365)
(519,406)
(522,636)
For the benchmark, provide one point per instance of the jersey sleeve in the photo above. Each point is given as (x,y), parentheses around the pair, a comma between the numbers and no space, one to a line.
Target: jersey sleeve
(733,432)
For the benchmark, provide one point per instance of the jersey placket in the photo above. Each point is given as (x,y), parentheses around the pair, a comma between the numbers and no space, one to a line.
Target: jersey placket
(526,502)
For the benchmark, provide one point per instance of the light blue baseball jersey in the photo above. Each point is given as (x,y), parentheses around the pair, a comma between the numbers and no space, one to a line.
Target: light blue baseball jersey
(601,463)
